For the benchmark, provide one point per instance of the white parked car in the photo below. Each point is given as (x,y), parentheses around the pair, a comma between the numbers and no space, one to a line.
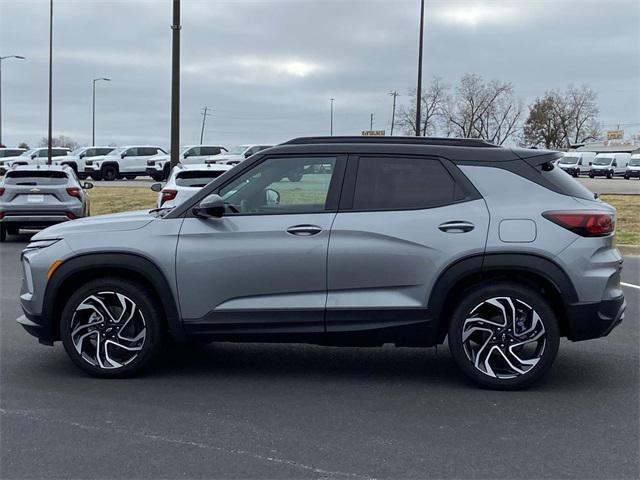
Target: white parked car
(575,163)
(76,159)
(633,167)
(158,166)
(609,164)
(124,162)
(239,153)
(185,181)
(35,156)
(11,152)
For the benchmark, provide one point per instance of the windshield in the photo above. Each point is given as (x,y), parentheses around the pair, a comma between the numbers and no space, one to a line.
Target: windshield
(238,150)
(634,162)
(116,151)
(78,151)
(31,178)
(569,160)
(603,161)
(197,178)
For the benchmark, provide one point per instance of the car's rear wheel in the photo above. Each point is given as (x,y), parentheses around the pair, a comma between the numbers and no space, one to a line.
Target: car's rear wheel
(13,230)
(609,174)
(109,173)
(3,233)
(504,335)
(590,175)
(110,327)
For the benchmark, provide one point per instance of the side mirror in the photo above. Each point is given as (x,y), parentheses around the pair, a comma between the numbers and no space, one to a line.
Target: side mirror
(615,164)
(272,197)
(34,156)
(211,206)
(81,155)
(87,185)
(247,155)
(156,187)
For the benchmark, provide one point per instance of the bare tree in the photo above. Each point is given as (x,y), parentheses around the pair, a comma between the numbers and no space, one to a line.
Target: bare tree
(560,119)
(60,141)
(490,111)
(431,109)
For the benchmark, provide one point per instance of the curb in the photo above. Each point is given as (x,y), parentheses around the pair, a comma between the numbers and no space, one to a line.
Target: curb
(629,250)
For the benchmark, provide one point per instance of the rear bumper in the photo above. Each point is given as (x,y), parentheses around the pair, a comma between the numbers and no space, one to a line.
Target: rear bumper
(40,220)
(594,320)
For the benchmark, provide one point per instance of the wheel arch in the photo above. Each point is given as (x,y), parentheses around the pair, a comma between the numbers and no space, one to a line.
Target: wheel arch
(535,271)
(78,270)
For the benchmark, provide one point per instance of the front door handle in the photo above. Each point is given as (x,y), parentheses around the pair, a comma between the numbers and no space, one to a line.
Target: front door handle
(456,227)
(304,230)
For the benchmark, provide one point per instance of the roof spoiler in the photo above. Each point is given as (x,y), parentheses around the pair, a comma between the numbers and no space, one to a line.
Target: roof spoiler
(536,158)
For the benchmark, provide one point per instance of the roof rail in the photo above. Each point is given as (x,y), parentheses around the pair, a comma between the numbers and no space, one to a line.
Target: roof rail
(453,142)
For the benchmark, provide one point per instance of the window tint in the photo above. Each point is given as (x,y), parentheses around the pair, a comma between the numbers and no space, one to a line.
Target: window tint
(147,151)
(30,178)
(281,185)
(403,183)
(89,152)
(43,153)
(101,151)
(57,152)
(192,152)
(10,153)
(132,152)
(196,178)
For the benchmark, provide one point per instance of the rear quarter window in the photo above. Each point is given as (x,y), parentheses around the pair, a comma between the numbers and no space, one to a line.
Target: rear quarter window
(43,178)
(563,182)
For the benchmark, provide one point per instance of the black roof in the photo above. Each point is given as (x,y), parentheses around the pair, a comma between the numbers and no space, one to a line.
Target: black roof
(396,140)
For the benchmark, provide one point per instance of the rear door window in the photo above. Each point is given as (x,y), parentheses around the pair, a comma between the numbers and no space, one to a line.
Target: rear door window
(391,183)
(28,178)
(210,150)
(196,178)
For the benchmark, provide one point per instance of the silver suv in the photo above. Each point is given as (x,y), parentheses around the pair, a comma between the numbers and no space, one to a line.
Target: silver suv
(348,241)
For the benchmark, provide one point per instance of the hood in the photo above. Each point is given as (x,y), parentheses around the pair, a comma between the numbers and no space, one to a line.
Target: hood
(226,156)
(99,158)
(115,222)
(160,157)
(64,157)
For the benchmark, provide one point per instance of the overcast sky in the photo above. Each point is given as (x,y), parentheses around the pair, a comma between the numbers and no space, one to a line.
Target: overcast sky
(267,68)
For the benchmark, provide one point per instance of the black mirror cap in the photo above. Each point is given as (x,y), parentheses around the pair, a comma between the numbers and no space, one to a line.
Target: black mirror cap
(122,155)
(211,206)
(156,187)
(87,186)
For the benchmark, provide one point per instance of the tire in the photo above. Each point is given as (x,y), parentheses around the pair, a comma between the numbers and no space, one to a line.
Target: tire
(96,176)
(115,361)
(626,177)
(109,173)
(485,302)
(82,176)
(157,178)
(609,175)
(166,171)
(13,230)
(3,233)
(590,175)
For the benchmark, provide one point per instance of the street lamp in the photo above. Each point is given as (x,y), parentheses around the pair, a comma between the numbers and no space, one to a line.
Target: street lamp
(19,57)
(419,88)
(93,129)
(331,128)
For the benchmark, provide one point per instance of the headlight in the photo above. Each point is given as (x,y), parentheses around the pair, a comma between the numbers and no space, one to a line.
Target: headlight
(41,244)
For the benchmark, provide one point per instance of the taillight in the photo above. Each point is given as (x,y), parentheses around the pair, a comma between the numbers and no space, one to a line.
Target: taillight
(168,194)
(74,192)
(71,216)
(587,223)
(1,191)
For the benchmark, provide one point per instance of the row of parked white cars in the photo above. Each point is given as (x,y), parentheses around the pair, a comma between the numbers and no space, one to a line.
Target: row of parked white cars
(607,165)
(112,163)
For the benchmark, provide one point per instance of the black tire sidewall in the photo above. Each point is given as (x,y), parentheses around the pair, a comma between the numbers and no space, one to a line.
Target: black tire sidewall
(477,295)
(143,299)
(109,173)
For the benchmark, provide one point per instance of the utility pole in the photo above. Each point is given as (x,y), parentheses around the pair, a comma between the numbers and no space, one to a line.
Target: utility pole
(394,94)
(93,122)
(331,128)
(175,84)
(204,119)
(50,132)
(419,88)
(19,57)
(371,122)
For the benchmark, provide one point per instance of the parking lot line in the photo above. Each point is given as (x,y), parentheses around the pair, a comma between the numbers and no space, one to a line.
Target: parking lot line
(630,285)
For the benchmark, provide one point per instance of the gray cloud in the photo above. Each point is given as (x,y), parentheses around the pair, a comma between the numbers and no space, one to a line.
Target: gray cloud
(268,68)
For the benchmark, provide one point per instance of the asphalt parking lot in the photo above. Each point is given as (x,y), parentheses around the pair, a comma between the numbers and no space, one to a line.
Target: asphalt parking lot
(297,411)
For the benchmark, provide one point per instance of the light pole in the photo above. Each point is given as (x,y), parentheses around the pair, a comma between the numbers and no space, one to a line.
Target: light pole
(19,57)
(175,83)
(93,123)
(331,128)
(419,88)
(394,94)
(50,129)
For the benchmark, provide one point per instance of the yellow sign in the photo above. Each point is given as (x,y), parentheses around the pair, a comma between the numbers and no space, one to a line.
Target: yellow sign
(373,133)
(615,134)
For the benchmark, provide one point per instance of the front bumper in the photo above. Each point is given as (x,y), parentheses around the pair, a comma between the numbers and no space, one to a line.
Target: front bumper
(571,171)
(33,327)
(599,173)
(632,173)
(596,319)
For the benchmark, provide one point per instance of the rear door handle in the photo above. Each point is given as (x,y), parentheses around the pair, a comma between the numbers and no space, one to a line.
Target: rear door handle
(456,227)
(304,230)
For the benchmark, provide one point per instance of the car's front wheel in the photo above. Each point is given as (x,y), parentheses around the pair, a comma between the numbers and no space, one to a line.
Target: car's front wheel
(504,335)
(110,327)
(109,173)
